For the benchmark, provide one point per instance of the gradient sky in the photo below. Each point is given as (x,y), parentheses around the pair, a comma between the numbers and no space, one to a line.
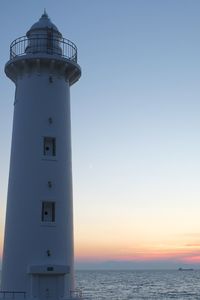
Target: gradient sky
(135,125)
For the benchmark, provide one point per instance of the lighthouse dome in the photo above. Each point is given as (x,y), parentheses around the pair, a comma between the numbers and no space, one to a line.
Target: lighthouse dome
(44,24)
(44,37)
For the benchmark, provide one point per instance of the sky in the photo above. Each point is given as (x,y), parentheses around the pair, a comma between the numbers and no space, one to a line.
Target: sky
(135,126)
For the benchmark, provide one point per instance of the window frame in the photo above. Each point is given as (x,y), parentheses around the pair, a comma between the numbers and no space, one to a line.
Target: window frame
(53,212)
(45,141)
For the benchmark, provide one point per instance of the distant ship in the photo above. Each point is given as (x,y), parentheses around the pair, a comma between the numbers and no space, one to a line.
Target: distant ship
(185,269)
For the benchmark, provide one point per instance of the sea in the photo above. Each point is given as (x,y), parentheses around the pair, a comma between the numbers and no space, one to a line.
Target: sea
(124,285)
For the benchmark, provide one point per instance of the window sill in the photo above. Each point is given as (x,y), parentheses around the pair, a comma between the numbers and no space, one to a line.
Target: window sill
(49,159)
(48,224)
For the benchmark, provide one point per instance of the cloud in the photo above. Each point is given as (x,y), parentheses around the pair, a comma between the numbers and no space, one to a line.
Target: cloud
(193,245)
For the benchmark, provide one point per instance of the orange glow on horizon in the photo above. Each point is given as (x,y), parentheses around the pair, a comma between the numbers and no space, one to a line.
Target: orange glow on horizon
(188,253)
(182,254)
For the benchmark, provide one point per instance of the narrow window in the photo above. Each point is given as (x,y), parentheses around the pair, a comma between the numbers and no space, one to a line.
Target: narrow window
(49,40)
(49,146)
(48,211)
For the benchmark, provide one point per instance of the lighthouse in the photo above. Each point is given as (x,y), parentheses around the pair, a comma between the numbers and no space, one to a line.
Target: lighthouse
(38,256)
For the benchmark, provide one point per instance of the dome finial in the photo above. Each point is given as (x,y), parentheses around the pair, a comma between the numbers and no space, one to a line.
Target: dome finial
(45,15)
(44,23)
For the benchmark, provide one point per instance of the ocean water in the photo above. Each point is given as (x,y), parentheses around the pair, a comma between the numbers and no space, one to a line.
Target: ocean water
(124,285)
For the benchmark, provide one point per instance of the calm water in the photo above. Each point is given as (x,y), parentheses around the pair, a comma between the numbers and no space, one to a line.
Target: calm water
(139,284)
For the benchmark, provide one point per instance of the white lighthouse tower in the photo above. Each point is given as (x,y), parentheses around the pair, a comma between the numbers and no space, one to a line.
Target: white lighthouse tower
(38,244)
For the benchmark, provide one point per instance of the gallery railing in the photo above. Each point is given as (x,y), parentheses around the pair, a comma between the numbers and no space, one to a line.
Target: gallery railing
(41,43)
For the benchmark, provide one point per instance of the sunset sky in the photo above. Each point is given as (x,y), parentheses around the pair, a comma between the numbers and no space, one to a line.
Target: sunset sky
(135,125)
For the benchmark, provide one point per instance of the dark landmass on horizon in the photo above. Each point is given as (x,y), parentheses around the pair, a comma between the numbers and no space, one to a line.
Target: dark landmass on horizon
(134,265)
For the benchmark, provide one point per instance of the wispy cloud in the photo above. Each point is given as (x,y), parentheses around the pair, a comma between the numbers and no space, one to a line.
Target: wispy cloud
(193,245)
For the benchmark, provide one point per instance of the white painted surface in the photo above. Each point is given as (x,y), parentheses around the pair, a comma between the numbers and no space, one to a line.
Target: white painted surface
(30,240)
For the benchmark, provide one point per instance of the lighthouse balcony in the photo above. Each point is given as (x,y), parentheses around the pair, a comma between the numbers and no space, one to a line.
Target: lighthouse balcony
(42,44)
(39,52)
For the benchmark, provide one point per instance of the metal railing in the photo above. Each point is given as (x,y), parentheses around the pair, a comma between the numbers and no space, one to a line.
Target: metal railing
(41,43)
(76,294)
(11,295)
(14,295)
